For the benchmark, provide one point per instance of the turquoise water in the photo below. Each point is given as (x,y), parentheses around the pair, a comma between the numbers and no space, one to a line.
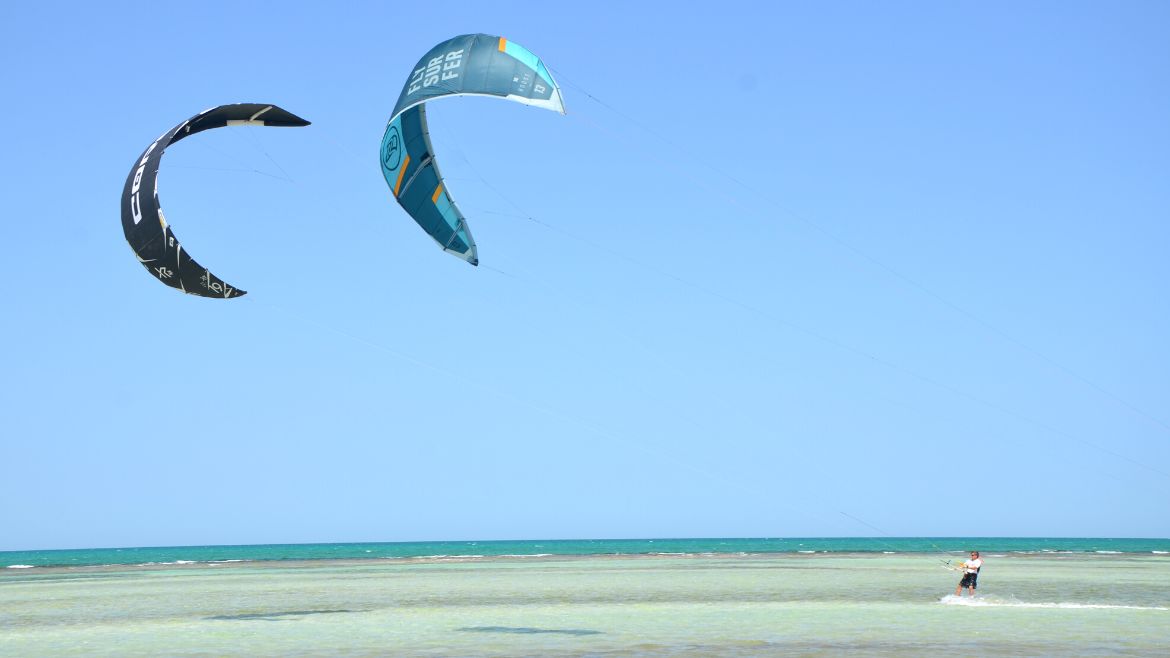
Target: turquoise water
(943,547)
(625,598)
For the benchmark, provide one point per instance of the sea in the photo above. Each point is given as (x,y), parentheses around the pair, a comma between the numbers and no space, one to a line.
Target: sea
(628,597)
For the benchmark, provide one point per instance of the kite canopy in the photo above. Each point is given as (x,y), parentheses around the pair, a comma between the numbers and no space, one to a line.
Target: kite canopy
(147,230)
(470,64)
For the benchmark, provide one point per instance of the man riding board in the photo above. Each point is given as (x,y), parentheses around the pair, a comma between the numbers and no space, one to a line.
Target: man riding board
(970,574)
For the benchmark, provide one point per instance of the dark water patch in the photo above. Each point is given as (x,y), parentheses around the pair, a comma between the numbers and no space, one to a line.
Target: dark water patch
(524,630)
(275,616)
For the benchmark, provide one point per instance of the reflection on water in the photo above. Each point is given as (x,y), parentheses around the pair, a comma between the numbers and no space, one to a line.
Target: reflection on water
(521,630)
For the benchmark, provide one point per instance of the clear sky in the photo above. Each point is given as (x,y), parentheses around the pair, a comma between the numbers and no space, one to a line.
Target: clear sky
(795,269)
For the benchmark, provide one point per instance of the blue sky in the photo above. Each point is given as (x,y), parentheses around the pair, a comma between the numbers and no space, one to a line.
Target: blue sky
(808,269)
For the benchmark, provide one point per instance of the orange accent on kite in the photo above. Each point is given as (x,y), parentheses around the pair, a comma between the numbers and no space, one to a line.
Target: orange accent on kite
(438,191)
(401,172)
(503,42)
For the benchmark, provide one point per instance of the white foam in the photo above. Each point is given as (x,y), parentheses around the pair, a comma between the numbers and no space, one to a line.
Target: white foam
(163,564)
(1109,552)
(155,564)
(1160,552)
(951,599)
(21,566)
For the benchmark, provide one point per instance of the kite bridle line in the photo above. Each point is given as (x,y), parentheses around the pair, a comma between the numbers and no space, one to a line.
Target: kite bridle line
(887,268)
(945,563)
(935,383)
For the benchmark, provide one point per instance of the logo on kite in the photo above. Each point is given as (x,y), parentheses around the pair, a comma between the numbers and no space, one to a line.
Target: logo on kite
(393,153)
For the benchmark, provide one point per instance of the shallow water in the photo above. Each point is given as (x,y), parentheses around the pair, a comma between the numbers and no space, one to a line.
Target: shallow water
(814,605)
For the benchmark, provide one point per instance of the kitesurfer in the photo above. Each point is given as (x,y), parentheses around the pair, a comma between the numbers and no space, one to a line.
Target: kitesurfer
(970,574)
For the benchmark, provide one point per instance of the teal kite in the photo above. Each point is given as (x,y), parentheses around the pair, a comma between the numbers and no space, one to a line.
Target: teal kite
(467,65)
